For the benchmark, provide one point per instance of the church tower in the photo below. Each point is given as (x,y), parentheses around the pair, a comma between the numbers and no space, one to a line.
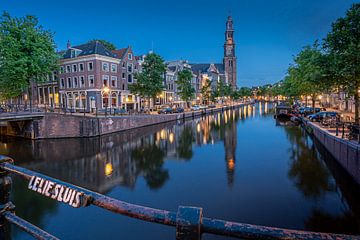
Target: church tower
(229,54)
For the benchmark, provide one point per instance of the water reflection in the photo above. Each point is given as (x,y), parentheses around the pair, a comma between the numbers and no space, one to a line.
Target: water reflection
(119,159)
(310,172)
(146,156)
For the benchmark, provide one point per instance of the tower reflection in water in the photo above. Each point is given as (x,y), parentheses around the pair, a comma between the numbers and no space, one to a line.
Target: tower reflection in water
(119,159)
(101,164)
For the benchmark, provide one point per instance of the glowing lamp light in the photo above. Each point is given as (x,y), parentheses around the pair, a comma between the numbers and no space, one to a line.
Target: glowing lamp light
(171,137)
(106,89)
(108,169)
(231,164)
(198,128)
(162,134)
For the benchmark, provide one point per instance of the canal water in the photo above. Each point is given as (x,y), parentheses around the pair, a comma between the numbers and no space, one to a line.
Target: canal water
(239,165)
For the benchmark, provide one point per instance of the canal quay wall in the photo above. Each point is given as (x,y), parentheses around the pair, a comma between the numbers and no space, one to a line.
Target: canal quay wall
(53,125)
(346,152)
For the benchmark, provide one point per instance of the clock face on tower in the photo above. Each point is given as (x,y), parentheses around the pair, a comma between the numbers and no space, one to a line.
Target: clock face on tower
(229,50)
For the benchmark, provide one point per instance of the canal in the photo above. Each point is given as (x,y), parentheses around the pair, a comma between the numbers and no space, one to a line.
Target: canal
(238,165)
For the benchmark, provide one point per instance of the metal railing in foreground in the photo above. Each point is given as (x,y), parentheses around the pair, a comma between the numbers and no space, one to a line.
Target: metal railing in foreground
(188,221)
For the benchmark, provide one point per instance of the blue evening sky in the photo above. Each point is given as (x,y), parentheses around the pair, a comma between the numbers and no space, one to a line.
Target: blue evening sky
(268,33)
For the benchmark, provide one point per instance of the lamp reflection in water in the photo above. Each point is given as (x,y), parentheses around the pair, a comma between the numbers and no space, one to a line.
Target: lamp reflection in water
(108,169)
(198,128)
(171,137)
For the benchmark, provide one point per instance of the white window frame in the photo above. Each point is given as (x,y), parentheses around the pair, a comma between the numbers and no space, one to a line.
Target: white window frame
(130,56)
(115,69)
(68,69)
(62,83)
(69,80)
(83,68)
(62,69)
(74,68)
(81,84)
(113,78)
(107,78)
(107,66)
(132,78)
(89,80)
(88,66)
(77,82)
(123,75)
(132,67)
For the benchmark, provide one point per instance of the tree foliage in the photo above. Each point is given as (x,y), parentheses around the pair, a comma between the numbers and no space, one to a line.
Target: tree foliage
(343,46)
(245,92)
(149,82)
(184,86)
(27,53)
(206,90)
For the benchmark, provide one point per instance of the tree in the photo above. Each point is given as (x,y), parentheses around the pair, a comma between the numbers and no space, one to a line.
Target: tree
(150,80)
(244,92)
(206,90)
(109,46)
(343,46)
(27,54)
(306,75)
(186,91)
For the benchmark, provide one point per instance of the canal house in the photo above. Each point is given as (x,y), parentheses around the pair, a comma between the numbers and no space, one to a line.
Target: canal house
(92,77)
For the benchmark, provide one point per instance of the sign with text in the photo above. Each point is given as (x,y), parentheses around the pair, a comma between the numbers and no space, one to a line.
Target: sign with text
(58,192)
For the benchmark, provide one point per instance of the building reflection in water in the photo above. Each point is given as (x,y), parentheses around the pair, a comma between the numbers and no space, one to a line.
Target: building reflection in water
(103,163)
(119,159)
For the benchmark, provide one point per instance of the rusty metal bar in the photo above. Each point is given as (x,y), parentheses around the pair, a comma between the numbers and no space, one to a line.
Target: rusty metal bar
(28,227)
(111,204)
(193,221)
(249,231)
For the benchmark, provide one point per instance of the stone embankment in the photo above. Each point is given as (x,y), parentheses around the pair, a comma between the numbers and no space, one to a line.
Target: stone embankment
(53,125)
(346,152)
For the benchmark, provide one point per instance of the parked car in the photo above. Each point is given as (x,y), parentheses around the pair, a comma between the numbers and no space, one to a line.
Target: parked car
(119,111)
(166,110)
(195,108)
(309,110)
(178,110)
(322,115)
(202,107)
(212,106)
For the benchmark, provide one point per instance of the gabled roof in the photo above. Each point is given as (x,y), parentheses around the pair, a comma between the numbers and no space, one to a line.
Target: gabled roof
(120,53)
(220,67)
(204,67)
(172,68)
(93,47)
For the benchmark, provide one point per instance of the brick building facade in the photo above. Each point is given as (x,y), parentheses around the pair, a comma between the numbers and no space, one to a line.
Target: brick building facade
(93,77)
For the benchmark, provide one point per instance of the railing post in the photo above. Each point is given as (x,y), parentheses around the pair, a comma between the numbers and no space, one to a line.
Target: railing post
(5,204)
(188,223)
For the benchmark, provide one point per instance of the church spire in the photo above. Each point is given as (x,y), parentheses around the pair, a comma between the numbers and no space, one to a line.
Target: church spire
(229,53)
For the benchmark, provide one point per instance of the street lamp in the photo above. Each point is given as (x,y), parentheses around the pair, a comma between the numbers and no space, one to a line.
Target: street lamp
(106,90)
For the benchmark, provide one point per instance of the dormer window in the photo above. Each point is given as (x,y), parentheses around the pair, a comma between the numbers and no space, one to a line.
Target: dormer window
(130,56)
(74,53)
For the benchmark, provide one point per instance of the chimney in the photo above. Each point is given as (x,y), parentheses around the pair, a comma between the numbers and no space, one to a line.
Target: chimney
(68,45)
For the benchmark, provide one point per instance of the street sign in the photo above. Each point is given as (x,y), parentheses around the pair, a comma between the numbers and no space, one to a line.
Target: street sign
(58,192)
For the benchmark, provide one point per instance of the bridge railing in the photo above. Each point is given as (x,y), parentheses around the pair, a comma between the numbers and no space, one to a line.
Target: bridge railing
(188,221)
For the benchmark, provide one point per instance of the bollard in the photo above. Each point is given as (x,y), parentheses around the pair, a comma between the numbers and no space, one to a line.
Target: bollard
(5,204)
(188,223)
(337,129)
